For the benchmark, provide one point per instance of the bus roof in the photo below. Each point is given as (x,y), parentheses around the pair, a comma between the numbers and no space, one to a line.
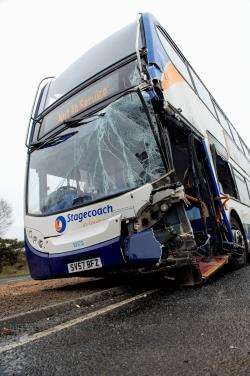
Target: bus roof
(111,50)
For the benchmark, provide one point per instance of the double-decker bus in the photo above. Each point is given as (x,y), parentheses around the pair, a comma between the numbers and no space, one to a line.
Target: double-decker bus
(133,166)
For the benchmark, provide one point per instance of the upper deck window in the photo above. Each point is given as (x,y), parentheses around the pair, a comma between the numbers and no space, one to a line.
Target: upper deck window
(105,54)
(179,64)
(223,120)
(203,92)
(248,185)
(236,137)
(246,150)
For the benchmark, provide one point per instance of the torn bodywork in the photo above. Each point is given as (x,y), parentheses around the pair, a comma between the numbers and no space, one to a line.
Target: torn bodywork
(178,229)
(161,232)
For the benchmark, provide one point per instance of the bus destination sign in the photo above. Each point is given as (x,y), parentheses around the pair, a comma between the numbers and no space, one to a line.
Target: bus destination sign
(104,88)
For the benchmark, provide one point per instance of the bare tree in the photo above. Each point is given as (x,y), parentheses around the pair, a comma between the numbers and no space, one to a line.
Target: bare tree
(5,216)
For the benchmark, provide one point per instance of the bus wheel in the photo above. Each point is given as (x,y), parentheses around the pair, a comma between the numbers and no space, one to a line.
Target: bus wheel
(240,239)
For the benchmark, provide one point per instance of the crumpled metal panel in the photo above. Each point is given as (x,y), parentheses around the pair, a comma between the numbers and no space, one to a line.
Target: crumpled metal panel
(143,246)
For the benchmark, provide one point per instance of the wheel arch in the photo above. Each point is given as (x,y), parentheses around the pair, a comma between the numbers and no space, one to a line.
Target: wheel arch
(234,214)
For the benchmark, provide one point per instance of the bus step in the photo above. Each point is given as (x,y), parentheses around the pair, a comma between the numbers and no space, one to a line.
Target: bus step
(210,267)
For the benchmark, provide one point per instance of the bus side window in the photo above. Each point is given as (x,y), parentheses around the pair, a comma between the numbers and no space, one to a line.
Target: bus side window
(224,175)
(173,55)
(203,92)
(236,137)
(245,149)
(242,187)
(223,120)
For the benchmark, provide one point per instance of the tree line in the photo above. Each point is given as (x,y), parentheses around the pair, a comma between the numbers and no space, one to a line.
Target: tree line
(11,250)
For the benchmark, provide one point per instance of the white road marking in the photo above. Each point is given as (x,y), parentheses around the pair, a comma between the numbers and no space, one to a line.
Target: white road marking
(70,323)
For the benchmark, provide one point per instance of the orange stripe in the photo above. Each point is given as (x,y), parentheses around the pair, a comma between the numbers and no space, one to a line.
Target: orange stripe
(170,76)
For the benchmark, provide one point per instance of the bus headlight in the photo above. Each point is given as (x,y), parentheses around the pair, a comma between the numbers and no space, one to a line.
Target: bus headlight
(40,243)
(35,237)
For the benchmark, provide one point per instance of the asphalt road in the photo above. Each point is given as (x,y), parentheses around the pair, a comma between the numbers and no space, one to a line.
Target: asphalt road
(193,331)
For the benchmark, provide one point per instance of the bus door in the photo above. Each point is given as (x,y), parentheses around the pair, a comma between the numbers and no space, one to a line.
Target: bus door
(194,171)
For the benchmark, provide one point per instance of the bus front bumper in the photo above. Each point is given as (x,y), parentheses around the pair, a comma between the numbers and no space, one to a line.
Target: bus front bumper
(55,265)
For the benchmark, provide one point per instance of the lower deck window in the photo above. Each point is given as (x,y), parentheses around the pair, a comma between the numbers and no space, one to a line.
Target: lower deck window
(225,177)
(242,188)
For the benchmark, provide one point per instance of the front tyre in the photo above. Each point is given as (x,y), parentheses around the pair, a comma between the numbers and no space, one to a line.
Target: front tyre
(240,239)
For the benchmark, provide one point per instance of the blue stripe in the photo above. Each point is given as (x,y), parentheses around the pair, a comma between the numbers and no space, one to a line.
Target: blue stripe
(43,265)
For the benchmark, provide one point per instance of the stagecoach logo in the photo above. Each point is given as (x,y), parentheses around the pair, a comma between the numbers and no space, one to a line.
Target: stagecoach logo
(60,224)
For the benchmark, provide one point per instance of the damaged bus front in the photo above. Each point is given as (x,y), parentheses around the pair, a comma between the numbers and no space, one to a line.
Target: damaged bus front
(104,188)
(103,194)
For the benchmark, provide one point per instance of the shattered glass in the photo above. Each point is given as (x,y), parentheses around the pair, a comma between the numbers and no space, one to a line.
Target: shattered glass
(106,155)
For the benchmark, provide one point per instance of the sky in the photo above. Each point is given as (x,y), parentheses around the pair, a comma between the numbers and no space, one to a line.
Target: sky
(41,38)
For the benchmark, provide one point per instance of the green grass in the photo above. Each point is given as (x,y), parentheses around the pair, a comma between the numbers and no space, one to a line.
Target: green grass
(15,270)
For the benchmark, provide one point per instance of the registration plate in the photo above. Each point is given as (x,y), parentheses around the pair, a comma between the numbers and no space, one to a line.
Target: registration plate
(80,266)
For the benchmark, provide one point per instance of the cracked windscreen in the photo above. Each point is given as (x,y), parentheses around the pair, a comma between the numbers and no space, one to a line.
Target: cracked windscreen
(104,156)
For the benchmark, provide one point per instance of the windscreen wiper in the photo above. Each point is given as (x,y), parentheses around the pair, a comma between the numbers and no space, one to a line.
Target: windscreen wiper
(71,123)
(53,139)
(88,119)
